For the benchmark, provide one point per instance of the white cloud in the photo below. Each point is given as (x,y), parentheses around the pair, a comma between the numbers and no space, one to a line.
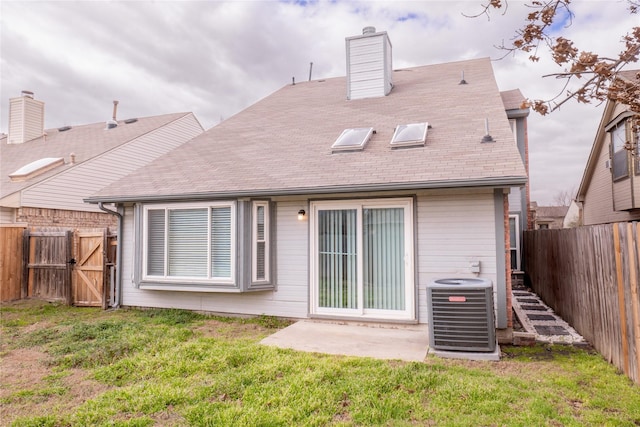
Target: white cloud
(217,58)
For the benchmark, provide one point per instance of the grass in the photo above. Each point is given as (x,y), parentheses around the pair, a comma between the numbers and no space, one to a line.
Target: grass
(172,367)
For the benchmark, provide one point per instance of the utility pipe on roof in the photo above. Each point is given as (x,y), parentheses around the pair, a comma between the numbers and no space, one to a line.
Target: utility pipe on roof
(118,293)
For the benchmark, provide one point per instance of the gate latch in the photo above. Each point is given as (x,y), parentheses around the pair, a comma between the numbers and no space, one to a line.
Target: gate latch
(72,261)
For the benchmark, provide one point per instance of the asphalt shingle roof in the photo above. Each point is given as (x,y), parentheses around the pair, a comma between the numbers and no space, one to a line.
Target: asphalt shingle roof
(512,99)
(282,144)
(85,141)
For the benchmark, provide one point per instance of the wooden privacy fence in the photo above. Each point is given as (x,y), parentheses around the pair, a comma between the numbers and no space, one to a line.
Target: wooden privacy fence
(57,264)
(590,277)
(11,263)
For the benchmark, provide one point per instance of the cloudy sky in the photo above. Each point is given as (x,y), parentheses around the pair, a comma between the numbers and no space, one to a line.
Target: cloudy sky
(216,58)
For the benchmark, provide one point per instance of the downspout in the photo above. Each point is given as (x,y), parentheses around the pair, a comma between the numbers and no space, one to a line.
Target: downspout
(118,293)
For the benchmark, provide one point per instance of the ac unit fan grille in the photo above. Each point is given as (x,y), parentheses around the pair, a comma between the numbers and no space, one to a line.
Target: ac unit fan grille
(462,319)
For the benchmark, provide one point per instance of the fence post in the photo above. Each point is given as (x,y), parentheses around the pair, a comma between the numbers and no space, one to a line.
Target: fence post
(69,272)
(621,305)
(635,303)
(25,264)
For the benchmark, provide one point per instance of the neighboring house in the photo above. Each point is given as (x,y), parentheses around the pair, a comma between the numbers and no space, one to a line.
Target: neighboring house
(46,174)
(572,218)
(610,187)
(519,201)
(339,198)
(547,217)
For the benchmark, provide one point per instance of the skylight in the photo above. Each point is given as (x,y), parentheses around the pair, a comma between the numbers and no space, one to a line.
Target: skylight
(35,168)
(352,139)
(414,134)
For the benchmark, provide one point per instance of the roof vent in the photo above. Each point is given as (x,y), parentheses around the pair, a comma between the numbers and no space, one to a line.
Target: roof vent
(129,121)
(369,30)
(487,136)
(111,124)
(115,109)
(463,81)
(64,128)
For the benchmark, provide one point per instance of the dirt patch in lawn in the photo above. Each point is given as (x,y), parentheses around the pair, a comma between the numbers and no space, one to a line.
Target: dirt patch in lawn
(223,330)
(29,387)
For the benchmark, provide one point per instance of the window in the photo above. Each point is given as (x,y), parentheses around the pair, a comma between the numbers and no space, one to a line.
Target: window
(619,155)
(260,242)
(362,258)
(410,135)
(36,168)
(189,242)
(514,242)
(352,139)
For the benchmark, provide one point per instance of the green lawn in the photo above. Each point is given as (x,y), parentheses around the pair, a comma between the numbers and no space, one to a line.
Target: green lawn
(78,366)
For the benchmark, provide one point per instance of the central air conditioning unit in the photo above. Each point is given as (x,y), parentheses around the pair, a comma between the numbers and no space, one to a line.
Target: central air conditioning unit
(461,316)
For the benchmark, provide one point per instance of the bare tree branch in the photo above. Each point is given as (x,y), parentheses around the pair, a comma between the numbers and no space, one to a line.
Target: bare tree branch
(603,81)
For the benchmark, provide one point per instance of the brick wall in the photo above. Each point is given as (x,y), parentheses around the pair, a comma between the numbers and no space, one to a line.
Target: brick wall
(36,217)
(507,251)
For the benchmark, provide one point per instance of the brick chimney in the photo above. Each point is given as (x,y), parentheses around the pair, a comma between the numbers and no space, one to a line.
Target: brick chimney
(369,69)
(26,118)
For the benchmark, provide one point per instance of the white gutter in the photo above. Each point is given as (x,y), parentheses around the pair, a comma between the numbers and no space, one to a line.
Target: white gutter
(513,181)
(118,285)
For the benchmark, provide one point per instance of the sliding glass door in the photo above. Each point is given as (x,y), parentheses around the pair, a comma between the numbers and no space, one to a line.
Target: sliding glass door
(362,260)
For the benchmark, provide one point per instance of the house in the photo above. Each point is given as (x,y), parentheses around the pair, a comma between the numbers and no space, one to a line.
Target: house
(339,198)
(572,217)
(547,217)
(46,174)
(610,186)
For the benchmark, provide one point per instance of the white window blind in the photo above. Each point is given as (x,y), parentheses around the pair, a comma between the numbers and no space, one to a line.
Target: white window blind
(221,242)
(383,258)
(260,241)
(155,242)
(337,253)
(187,244)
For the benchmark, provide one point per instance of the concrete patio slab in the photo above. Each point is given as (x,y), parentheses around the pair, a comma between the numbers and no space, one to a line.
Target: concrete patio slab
(400,342)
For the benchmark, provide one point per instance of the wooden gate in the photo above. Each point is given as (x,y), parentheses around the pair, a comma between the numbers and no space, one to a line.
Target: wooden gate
(66,265)
(89,276)
(47,266)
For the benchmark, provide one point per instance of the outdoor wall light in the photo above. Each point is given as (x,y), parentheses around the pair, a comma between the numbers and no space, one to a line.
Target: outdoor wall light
(301,214)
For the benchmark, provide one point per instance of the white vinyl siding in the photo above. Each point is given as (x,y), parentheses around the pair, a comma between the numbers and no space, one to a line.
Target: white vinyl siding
(7,215)
(193,243)
(369,66)
(290,299)
(26,119)
(68,189)
(452,228)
